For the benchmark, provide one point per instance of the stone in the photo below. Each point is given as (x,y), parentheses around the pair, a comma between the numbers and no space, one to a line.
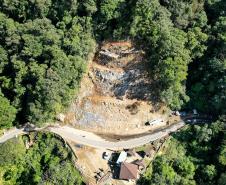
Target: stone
(60,117)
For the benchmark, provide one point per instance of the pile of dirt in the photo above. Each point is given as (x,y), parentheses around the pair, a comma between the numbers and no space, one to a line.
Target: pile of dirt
(116,92)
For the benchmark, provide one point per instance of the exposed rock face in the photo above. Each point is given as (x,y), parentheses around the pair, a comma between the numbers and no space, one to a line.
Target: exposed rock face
(115,93)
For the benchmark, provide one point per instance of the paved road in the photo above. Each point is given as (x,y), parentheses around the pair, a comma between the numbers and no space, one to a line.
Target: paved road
(90,139)
(97,142)
(11,134)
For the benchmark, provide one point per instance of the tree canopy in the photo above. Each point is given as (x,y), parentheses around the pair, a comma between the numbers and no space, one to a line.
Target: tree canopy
(196,155)
(44,48)
(48,161)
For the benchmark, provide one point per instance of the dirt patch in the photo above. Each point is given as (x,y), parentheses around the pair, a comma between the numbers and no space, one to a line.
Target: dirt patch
(116,94)
(90,161)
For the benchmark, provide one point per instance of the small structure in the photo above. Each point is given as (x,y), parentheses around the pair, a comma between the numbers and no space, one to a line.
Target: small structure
(149,152)
(131,152)
(139,163)
(128,171)
(122,157)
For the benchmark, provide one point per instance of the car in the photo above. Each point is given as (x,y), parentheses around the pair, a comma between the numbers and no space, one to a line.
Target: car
(153,122)
(106,155)
(176,113)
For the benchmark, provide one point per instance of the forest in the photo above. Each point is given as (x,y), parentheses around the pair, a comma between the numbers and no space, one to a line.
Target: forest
(195,155)
(48,161)
(45,46)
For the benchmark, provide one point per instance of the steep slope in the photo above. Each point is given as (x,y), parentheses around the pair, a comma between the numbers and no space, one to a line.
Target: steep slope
(115,94)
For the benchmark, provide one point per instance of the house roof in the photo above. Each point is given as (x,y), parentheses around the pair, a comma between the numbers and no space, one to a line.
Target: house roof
(128,171)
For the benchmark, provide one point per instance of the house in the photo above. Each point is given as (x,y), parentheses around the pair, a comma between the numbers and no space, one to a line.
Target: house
(122,157)
(128,171)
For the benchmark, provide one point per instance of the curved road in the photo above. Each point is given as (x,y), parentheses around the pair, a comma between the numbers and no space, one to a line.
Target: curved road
(90,139)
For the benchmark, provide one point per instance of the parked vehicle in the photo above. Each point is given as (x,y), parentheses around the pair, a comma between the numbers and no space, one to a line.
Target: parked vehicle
(106,155)
(153,122)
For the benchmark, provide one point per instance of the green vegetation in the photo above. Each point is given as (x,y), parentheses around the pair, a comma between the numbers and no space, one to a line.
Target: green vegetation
(48,161)
(196,155)
(7,113)
(44,47)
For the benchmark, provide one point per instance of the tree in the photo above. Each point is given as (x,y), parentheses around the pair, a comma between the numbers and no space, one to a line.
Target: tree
(207,78)
(7,113)
(42,62)
(209,172)
(186,13)
(166,50)
(222,179)
(39,164)
(196,42)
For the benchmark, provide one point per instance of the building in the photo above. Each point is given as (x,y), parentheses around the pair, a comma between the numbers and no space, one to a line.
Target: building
(128,171)
(122,157)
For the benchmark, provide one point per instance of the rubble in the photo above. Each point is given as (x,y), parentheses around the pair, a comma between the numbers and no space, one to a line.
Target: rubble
(115,94)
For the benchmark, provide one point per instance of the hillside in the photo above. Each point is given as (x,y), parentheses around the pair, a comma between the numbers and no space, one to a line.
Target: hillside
(116,94)
(117,70)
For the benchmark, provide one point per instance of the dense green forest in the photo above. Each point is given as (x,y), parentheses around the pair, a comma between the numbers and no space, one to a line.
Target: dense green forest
(48,162)
(45,45)
(195,155)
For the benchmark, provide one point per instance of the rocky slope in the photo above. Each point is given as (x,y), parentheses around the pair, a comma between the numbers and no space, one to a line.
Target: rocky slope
(115,94)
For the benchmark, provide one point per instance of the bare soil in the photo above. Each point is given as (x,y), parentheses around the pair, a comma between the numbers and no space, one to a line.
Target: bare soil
(117,95)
